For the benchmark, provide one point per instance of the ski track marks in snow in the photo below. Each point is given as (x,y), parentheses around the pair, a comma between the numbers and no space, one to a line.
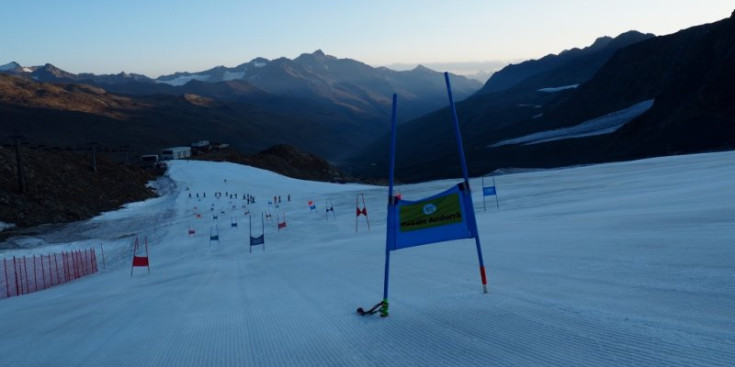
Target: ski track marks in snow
(607,265)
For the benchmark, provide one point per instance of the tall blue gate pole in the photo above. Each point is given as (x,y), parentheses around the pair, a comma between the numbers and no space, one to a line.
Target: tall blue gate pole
(391,209)
(466,176)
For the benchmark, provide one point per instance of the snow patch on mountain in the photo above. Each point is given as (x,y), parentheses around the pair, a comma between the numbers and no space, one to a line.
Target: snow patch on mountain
(602,125)
(557,89)
(181,80)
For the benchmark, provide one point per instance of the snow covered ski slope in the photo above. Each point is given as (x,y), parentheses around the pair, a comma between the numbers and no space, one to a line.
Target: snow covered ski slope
(608,265)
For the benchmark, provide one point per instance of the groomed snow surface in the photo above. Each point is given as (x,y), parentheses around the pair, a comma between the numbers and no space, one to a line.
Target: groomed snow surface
(608,265)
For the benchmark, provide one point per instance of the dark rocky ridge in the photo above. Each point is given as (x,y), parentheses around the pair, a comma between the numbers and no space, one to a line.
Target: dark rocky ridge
(62,187)
(286,160)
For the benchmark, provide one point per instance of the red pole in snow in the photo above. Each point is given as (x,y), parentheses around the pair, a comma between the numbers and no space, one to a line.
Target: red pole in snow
(80,262)
(15,271)
(89,263)
(65,265)
(25,270)
(75,264)
(43,273)
(94,260)
(7,284)
(35,279)
(65,261)
(58,277)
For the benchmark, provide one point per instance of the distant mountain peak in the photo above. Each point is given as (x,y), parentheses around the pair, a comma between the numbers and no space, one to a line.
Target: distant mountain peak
(601,42)
(421,68)
(576,61)
(317,55)
(10,66)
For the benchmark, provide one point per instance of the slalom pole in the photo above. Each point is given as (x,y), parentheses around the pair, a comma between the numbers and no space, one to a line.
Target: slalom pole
(135,249)
(466,176)
(497,199)
(148,264)
(391,206)
(484,209)
(364,207)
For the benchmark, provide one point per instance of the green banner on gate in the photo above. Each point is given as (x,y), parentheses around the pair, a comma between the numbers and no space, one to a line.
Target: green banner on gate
(430,213)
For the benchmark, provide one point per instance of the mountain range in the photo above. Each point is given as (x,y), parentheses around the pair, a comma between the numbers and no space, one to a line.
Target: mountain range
(626,97)
(320,103)
(622,98)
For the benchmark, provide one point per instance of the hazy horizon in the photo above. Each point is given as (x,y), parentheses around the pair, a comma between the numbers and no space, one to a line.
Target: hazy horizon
(468,37)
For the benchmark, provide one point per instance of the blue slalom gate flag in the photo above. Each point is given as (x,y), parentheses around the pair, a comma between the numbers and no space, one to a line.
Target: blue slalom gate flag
(489,191)
(446,216)
(257,240)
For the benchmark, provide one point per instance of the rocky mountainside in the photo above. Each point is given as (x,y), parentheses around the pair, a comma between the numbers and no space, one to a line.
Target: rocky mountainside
(346,86)
(72,115)
(685,76)
(319,103)
(285,159)
(61,186)
(568,67)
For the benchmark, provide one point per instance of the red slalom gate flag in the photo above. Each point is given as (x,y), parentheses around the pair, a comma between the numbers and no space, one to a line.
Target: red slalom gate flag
(361,211)
(281,225)
(140,260)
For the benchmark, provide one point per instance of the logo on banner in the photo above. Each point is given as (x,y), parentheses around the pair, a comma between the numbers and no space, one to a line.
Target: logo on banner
(430,213)
(429,209)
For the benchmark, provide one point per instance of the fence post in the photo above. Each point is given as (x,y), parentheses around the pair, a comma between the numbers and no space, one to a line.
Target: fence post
(7,284)
(65,265)
(58,276)
(77,264)
(35,279)
(25,270)
(43,273)
(17,283)
(73,264)
(94,260)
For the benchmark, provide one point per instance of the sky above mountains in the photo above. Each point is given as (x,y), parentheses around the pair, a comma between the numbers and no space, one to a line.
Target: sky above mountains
(164,36)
